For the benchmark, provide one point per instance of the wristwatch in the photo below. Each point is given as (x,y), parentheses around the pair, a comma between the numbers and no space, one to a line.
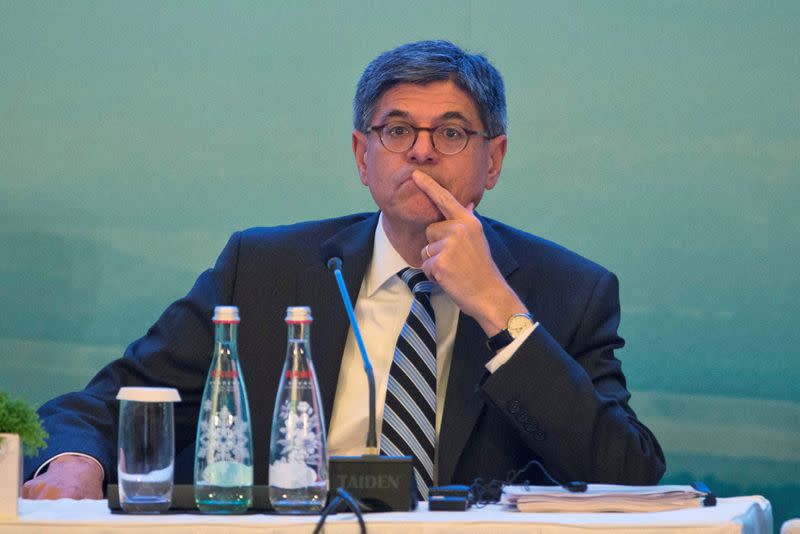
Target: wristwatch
(517,323)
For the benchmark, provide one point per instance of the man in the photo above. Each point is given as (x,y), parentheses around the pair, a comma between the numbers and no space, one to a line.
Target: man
(524,330)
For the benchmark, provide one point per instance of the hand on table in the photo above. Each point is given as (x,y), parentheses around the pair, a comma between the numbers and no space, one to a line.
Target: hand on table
(67,477)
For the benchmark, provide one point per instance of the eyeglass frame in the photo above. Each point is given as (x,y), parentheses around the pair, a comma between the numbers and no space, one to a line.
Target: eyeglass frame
(378,128)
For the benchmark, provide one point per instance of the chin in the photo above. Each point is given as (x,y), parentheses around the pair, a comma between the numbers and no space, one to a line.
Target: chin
(416,216)
(424,212)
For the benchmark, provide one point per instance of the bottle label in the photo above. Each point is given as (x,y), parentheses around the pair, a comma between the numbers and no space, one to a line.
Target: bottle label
(304,374)
(217,373)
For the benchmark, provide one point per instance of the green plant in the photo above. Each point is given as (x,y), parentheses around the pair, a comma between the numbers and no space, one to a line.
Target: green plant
(17,417)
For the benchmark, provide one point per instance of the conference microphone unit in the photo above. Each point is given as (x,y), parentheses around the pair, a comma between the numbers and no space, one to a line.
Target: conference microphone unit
(380,483)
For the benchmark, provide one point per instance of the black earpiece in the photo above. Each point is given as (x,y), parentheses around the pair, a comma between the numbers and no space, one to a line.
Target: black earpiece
(575,486)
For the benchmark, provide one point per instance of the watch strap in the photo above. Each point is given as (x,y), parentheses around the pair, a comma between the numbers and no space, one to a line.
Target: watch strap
(500,340)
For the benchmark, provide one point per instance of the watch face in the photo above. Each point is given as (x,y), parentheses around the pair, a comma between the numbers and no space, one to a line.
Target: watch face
(518,323)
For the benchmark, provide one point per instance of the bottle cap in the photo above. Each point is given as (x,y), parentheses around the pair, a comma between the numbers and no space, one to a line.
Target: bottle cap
(298,314)
(226,314)
(143,394)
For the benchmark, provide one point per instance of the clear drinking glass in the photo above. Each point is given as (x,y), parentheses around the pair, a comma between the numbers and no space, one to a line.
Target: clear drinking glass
(146,450)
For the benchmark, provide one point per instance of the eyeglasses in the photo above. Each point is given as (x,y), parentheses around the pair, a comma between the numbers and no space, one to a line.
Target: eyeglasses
(447,139)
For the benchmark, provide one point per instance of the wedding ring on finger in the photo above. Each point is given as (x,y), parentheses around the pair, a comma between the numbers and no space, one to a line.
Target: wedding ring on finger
(427,251)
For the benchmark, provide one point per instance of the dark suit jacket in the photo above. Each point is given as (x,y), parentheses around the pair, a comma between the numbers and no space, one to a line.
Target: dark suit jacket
(561,398)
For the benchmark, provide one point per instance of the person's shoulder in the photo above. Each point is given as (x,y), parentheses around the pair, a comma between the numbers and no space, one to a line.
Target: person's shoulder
(294,237)
(535,251)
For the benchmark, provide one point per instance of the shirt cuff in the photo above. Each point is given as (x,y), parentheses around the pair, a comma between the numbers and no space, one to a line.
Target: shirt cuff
(43,467)
(508,351)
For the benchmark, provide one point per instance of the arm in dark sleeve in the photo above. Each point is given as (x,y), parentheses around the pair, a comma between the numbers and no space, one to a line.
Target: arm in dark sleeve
(570,406)
(175,352)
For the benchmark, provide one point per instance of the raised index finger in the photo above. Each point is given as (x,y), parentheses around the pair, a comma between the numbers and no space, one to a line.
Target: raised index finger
(444,200)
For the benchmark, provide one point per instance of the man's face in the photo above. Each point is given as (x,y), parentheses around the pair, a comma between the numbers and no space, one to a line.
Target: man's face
(387,174)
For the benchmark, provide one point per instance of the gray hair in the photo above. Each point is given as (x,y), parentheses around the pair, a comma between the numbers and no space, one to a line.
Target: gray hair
(424,62)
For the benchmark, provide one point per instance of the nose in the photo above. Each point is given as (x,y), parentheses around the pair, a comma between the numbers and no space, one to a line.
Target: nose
(423,151)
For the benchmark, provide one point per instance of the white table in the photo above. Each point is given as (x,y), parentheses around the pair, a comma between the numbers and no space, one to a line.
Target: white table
(737,514)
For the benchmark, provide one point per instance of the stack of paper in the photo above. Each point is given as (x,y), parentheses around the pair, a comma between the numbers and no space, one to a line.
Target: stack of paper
(602,498)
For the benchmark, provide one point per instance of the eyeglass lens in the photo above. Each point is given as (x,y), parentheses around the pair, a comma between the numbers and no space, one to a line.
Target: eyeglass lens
(447,138)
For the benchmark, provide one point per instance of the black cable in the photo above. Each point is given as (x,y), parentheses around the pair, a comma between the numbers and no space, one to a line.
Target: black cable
(342,496)
(483,493)
(328,509)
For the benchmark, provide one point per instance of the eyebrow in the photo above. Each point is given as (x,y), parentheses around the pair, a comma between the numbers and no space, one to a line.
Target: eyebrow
(450,115)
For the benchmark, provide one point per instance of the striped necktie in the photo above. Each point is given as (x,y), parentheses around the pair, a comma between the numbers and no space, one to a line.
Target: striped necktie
(409,415)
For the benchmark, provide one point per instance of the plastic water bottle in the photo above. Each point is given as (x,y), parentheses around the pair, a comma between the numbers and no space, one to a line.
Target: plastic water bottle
(223,461)
(298,459)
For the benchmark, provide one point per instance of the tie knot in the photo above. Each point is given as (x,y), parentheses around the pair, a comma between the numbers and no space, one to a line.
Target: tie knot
(416,280)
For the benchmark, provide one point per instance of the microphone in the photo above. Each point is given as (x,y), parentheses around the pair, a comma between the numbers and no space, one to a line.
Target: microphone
(335,265)
(380,483)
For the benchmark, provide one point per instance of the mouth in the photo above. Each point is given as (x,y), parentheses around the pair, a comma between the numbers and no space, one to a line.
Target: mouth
(421,198)
(435,178)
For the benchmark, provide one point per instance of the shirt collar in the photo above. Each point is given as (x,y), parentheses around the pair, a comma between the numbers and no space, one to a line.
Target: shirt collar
(386,261)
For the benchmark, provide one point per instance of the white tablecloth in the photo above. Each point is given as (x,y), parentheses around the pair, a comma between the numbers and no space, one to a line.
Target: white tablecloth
(737,514)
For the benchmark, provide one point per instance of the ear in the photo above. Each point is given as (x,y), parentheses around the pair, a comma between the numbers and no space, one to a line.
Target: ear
(497,151)
(360,153)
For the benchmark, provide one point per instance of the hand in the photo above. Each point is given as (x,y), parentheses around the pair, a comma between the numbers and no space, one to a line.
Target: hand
(457,258)
(67,477)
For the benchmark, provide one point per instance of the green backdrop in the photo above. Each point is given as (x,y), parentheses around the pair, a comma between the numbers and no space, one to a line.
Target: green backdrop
(660,139)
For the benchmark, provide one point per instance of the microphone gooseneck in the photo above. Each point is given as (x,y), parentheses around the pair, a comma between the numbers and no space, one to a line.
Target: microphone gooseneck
(335,265)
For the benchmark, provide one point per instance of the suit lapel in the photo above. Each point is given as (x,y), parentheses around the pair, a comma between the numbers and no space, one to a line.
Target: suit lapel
(463,403)
(316,287)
